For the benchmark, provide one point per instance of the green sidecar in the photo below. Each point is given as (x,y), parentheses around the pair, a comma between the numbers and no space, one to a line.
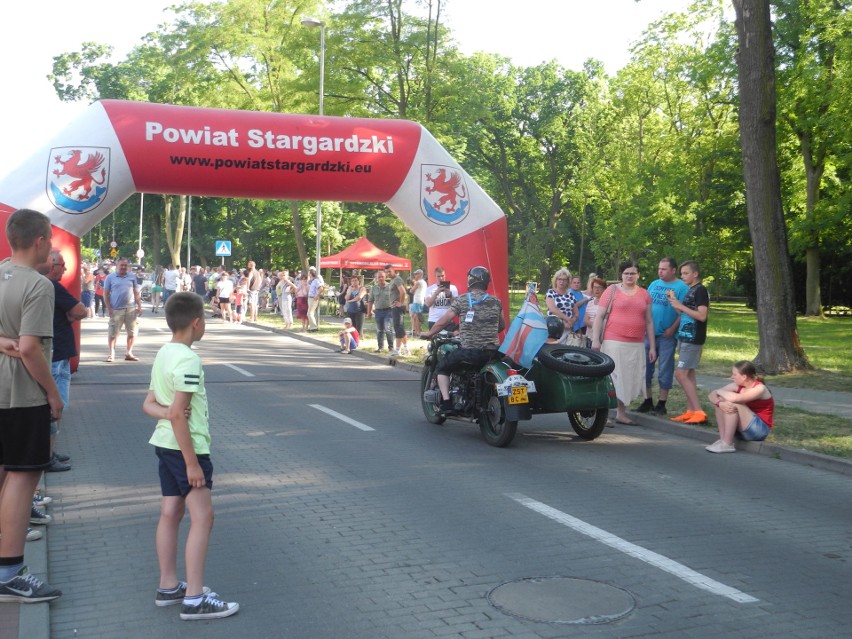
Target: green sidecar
(568,380)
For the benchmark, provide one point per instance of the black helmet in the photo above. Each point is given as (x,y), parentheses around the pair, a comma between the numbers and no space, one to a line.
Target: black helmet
(554,327)
(478,277)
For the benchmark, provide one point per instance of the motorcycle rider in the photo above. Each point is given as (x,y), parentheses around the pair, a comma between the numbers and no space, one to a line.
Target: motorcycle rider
(481,319)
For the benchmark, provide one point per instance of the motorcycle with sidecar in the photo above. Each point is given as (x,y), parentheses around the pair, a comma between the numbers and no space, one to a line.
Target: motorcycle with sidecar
(561,379)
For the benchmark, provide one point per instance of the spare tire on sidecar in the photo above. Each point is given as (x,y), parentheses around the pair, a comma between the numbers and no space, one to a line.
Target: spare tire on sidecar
(573,360)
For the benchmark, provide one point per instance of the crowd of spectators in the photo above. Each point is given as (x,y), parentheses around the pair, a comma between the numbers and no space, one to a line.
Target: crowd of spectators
(654,331)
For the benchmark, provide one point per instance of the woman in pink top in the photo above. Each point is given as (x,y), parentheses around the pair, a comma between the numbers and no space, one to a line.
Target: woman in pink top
(627,323)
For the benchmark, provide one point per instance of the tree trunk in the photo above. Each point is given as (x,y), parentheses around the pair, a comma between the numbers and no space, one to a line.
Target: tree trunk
(813,294)
(432,26)
(780,349)
(583,213)
(174,234)
(814,169)
(548,268)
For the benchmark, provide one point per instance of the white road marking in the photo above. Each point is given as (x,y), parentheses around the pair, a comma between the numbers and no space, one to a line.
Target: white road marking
(643,554)
(240,370)
(341,417)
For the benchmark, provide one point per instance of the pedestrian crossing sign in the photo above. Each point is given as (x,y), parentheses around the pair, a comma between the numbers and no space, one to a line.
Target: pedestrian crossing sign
(223,248)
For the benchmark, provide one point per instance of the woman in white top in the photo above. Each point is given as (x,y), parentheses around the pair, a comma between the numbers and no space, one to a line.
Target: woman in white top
(418,300)
(224,290)
(285,290)
(560,301)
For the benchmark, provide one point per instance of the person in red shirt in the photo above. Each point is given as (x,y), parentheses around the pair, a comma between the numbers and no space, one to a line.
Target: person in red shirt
(744,408)
(348,337)
(100,278)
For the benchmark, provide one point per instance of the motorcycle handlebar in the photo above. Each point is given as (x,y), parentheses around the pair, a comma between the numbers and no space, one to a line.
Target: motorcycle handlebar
(443,337)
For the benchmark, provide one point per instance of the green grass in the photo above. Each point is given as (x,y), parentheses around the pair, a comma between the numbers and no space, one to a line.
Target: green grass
(732,336)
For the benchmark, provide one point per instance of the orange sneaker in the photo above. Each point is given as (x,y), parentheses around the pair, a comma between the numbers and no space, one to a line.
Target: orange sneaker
(697,417)
(682,418)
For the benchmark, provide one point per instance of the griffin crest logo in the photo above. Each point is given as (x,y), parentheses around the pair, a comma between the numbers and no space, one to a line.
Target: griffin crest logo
(77,178)
(445,199)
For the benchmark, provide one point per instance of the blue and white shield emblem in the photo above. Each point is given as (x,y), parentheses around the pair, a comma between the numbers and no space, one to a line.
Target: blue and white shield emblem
(444,195)
(77,178)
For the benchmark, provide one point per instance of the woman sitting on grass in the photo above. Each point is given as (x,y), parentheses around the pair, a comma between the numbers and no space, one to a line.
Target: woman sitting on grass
(744,409)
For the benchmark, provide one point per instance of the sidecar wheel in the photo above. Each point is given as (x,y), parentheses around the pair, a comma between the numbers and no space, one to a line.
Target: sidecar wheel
(430,410)
(495,428)
(588,424)
(572,360)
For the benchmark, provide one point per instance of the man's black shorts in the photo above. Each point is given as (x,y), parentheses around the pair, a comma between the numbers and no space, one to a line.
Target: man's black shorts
(465,358)
(398,312)
(25,438)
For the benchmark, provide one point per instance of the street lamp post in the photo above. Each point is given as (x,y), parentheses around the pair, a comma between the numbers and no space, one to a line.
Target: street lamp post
(139,253)
(313,23)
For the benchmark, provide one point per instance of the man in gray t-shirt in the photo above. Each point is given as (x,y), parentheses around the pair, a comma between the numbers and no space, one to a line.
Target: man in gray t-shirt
(29,398)
(124,305)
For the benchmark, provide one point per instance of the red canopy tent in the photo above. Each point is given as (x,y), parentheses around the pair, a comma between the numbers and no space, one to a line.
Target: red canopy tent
(363,254)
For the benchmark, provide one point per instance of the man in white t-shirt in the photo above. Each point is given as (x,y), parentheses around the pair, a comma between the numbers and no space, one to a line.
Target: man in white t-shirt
(418,300)
(439,296)
(170,282)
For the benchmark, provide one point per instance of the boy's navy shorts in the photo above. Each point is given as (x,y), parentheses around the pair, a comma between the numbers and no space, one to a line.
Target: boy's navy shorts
(173,480)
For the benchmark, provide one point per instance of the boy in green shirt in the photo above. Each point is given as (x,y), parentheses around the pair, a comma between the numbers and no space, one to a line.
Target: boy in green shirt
(177,399)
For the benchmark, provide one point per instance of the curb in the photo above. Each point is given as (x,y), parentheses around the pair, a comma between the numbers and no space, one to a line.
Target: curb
(34,619)
(704,434)
(767,449)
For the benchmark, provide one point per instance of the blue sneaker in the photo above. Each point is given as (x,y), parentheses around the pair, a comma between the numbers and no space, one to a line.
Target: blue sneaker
(24,588)
(38,517)
(40,501)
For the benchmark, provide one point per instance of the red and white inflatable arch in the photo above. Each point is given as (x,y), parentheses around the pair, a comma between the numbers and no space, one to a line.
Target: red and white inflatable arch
(117,148)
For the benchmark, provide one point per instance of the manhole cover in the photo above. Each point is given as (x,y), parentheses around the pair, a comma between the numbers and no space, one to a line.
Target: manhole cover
(562,600)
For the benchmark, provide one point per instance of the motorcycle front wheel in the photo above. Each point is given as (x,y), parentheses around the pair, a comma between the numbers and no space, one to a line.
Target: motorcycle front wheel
(496,429)
(588,424)
(430,409)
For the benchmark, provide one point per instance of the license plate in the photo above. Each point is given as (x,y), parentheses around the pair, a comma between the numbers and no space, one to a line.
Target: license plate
(519,395)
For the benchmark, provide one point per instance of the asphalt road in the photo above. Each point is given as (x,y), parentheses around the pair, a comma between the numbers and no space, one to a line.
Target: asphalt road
(340,512)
